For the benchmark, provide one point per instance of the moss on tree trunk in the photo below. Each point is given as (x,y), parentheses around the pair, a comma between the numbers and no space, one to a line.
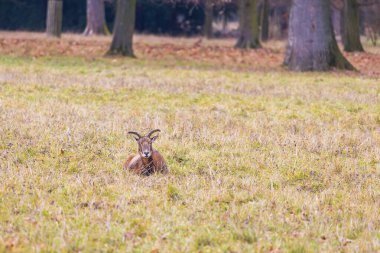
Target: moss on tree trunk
(264,21)
(122,41)
(351,35)
(248,27)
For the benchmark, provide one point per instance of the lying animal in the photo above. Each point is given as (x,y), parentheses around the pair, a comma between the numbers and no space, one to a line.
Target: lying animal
(148,160)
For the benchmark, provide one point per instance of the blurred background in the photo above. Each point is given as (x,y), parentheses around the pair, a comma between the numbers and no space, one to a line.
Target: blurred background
(176,18)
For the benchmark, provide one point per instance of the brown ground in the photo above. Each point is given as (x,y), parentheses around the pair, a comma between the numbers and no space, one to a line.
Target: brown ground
(220,52)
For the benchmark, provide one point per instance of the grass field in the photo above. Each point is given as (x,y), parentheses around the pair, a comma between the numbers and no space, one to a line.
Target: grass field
(261,159)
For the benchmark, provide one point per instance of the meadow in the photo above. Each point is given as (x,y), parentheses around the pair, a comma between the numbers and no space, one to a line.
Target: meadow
(261,159)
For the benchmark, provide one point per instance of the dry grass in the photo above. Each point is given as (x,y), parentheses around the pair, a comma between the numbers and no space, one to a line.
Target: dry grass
(265,161)
(185,50)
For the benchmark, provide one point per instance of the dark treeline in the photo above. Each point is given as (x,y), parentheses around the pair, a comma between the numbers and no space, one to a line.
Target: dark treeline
(30,15)
(153,16)
(255,21)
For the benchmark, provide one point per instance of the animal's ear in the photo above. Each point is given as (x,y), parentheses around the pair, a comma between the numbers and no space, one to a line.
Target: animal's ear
(154,138)
(136,135)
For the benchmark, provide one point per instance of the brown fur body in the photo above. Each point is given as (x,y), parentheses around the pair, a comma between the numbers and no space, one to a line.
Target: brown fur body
(146,166)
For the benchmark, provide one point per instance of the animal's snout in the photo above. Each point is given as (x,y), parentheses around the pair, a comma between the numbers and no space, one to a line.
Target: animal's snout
(146,153)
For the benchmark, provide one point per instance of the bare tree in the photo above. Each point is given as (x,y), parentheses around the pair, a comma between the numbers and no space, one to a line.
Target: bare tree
(248,22)
(54,18)
(351,34)
(264,20)
(372,22)
(350,27)
(312,45)
(96,21)
(122,41)
(208,12)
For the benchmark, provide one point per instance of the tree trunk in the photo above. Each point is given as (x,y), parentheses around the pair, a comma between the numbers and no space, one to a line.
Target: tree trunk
(54,18)
(341,12)
(225,23)
(96,21)
(208,12)
(351,35)
(249,28)
(264,23)
(124,28)
(312,45)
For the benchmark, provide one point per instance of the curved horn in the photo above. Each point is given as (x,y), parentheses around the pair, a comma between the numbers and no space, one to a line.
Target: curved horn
(152,132)
(135,133)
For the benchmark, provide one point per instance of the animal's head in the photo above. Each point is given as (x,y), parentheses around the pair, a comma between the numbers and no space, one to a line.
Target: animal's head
(145,142)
